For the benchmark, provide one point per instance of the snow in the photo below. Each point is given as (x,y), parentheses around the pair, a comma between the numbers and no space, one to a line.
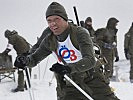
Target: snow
(28,18)
(40,89)
(43,90)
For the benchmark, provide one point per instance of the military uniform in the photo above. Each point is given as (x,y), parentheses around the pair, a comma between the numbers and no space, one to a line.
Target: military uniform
(76,42)
(88,26)
(43,36)
(128,47)
(107,40)
(92,81)
(21,46)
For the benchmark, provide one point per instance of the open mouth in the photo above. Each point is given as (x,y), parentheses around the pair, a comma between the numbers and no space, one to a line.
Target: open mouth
(55,28)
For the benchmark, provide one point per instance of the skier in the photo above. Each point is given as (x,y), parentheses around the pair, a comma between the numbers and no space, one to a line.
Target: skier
(21,46)
(74,45)
(106,38)
(128,48)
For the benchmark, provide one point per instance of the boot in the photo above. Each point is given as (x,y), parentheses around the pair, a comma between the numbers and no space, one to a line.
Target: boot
(17,90)
(131,80)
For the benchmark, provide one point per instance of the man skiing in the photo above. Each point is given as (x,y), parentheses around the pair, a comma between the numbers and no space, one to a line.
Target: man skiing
(74,45)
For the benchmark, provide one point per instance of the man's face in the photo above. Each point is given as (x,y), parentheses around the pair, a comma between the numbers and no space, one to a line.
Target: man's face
(89,23)
(57,24)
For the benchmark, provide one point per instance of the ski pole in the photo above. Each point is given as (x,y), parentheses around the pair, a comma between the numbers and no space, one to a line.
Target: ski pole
(71,81)
(74,84)
(45,67)
(29,85)
(50,82)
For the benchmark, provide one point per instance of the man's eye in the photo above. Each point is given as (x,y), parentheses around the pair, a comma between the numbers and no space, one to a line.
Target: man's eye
(49,21)
(57,19)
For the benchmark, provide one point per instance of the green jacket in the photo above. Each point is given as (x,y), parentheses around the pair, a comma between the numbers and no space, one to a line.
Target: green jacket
(106,37)
(43,35)
(128,42)
(80,39)
(19,43)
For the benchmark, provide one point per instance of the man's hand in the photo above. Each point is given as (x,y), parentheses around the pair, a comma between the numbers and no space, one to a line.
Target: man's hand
(21,61)
(60,69)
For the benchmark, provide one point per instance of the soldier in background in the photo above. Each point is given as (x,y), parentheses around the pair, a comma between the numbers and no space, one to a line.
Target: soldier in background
(107,40)
(21,46)
(128,48)
(89,27)
(82,23)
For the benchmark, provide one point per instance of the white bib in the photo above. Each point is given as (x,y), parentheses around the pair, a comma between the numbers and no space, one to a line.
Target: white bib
(69,53)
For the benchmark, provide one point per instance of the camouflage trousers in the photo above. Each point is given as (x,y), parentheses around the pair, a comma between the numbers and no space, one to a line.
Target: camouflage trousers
(94,84)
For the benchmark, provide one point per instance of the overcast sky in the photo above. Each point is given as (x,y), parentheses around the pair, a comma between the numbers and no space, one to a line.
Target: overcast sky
(28,16)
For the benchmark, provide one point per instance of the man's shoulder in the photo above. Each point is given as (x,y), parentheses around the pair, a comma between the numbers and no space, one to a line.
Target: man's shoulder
(17,36)
(77,30)
(101,30)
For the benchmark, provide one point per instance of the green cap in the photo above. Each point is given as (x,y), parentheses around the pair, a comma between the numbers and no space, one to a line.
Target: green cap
(9,33)
(56,9)
(88,19)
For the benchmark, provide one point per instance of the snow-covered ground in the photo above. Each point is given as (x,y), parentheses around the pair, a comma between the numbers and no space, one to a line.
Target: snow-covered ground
(43,90)
(28,18)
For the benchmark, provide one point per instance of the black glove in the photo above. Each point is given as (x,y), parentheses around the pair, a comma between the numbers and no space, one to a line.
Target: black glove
(127,55)
(97,52)
(117,59)
(60,69)
(21,61)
